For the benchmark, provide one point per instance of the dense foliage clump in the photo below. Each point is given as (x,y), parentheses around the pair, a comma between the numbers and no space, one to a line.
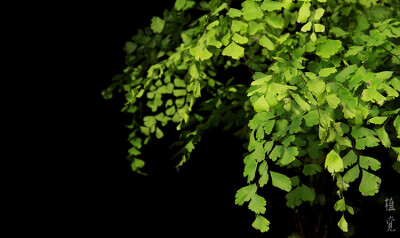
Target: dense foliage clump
(323,88)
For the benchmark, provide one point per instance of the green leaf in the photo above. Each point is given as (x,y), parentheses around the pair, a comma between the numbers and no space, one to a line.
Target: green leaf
(239,39)
(261,105)
(294,197)
(396,124)
(276,22)
(286,142)
(251,10)
(159,133)
(333,162)
(298,195)
(233,12)
(271,6)
(233,50)
(157,24)
(306,27)
(220,8)
(313,37)
(289,155)
(383,136)
(377,120)
(303,104)
(370,140)
(255,27)
(180,83)
(327,71)
(179,92)
(372,95)
(343,224)
(304,12)
(312,118)
(245,194)
(354,50)
(352,174)
(259,153)
(316,86)
(276,152)
(308,194)
(311,169)
(345,73)
(319,27)
(263,171)
(333,101)
(257,204)
(318,14)
(350,209)
(366,162)
(212,25)
(180,4)
(200,53)
(281,181)
(267,43)
(260,133)
(260,78)
(261,223)
(260,118)
(239,26)
(250,167)
(338,32)
(149,121)
(328,48)
(189,146)
(370,184)
(340,205)
(137,164)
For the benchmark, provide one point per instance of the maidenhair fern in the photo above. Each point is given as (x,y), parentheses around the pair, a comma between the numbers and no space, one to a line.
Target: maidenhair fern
(324,88)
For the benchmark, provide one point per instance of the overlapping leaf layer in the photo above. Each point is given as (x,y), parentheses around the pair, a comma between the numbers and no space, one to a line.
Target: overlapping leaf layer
(325,86)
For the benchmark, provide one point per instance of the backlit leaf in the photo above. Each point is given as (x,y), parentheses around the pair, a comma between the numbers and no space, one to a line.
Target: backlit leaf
(319,27)
(340,205)
(383,136)
(157,24)
(343,224)
(328,48)
(251,10)
(261,105)
(239,39)
(304,12)
(370,184)
(261,223)
(281,181)
(333,162)
(369,162)
(257,204)
(245,194)
(327,71)
(377,120)
(333,101)
(352,174)
(267,43)
(289,155)
(233,12)
(233,50)
(319,13)
(271,6)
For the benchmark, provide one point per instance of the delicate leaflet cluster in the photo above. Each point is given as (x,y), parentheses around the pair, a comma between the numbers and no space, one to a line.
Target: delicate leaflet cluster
(324,87)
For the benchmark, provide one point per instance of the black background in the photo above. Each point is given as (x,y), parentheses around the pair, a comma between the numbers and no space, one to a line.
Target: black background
(75,179)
